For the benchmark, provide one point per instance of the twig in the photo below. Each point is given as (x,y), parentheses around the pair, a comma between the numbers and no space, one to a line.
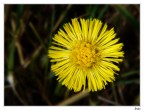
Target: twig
(19,49)
(43,94)
(106,100)
(61,18)
(7,86)
(121,95)
(37,35)
(114,93)
(27,62)
(113,17)
(24,62)
(74,98)
(7,9)
(46,98)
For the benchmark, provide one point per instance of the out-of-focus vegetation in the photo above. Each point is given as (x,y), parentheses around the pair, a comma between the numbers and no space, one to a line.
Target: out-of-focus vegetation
(27,37)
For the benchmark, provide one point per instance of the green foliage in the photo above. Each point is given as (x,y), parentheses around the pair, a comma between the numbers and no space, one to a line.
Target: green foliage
(130,18)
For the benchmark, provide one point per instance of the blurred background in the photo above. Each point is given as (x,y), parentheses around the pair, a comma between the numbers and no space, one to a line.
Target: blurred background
(28,30)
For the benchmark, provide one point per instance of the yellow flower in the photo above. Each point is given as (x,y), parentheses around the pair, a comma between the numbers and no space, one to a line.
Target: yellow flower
(84,55)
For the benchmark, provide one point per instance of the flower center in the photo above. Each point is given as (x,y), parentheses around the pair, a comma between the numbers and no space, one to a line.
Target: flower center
(84,54)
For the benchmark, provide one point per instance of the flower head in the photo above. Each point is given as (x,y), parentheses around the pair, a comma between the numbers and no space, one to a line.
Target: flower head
(85,54)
